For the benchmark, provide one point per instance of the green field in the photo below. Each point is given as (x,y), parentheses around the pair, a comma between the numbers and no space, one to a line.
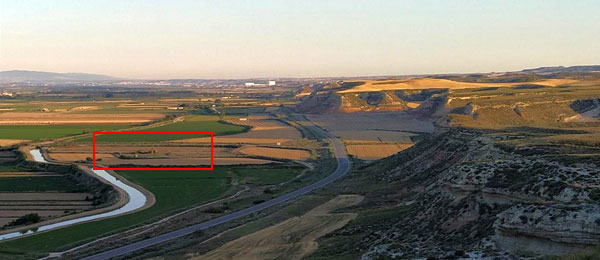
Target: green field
(173,190)
(36,132)
(33,184)
(273,176)
(12,168)
(191,124)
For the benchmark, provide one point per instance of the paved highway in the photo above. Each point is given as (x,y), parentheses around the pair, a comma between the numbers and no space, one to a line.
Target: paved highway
(343,166)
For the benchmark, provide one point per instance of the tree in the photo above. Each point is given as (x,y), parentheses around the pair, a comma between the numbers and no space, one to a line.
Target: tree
(222,111)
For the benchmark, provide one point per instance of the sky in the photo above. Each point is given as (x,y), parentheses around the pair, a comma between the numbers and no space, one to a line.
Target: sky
(243,39)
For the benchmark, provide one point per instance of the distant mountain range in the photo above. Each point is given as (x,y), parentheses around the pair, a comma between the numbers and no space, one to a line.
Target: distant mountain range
(38,76)
(557,69)
(42,76)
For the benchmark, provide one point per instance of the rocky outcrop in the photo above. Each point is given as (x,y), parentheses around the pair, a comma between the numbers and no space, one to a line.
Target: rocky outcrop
(329,100)
(548,229)
(462,192)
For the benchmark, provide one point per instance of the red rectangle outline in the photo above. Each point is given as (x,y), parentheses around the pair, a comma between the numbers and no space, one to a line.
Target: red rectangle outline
(126,133)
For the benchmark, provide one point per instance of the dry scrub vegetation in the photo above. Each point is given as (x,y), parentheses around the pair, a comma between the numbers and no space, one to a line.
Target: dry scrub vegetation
(290,154)
(291,239)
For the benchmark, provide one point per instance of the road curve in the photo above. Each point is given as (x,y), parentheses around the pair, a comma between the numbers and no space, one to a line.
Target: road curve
(343,166)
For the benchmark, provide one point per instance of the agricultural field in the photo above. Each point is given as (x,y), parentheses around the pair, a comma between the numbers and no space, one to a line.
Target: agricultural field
(431,83)
(376,126)
(370,152)
(40,118)
(186,124)
(37,132)
(266,130)
(173,190)
(41,195)
(289,154)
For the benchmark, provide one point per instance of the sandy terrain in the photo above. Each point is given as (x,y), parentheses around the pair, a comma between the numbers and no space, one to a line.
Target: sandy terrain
(11,118)
(375,151)
(290,239)
(9,142)
(428,83)
(290,154)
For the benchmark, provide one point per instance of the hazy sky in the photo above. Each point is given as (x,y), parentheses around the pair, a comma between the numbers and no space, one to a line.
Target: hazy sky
(234,39)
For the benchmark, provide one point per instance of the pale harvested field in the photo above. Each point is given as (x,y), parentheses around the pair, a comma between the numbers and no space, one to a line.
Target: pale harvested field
(267,135)
(375,151)
(71,157)
(256,121)
(79,102)
(374,135)
(9,142)
(19,213)
(42,196)
(184,161)
(290,154)
(170,151)
(27,174)
(238,140)
(178,99)
(290,239)
(12,118)
(382,126)
(84,108)
(46,203)
(379,121)
(265,130)
(428,83)
(413,104)
(44,207)
(4,221)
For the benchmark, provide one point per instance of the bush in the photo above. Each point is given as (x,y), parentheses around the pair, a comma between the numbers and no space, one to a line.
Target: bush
(25,220)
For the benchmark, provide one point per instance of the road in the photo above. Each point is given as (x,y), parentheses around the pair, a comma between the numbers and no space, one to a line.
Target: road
(343,166)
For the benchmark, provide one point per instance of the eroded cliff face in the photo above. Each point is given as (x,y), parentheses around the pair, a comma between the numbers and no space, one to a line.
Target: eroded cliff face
(465,191)
(329,100)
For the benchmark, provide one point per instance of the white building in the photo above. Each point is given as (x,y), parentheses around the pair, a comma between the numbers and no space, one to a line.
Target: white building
(6,94)
(271,83)
(249,84)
